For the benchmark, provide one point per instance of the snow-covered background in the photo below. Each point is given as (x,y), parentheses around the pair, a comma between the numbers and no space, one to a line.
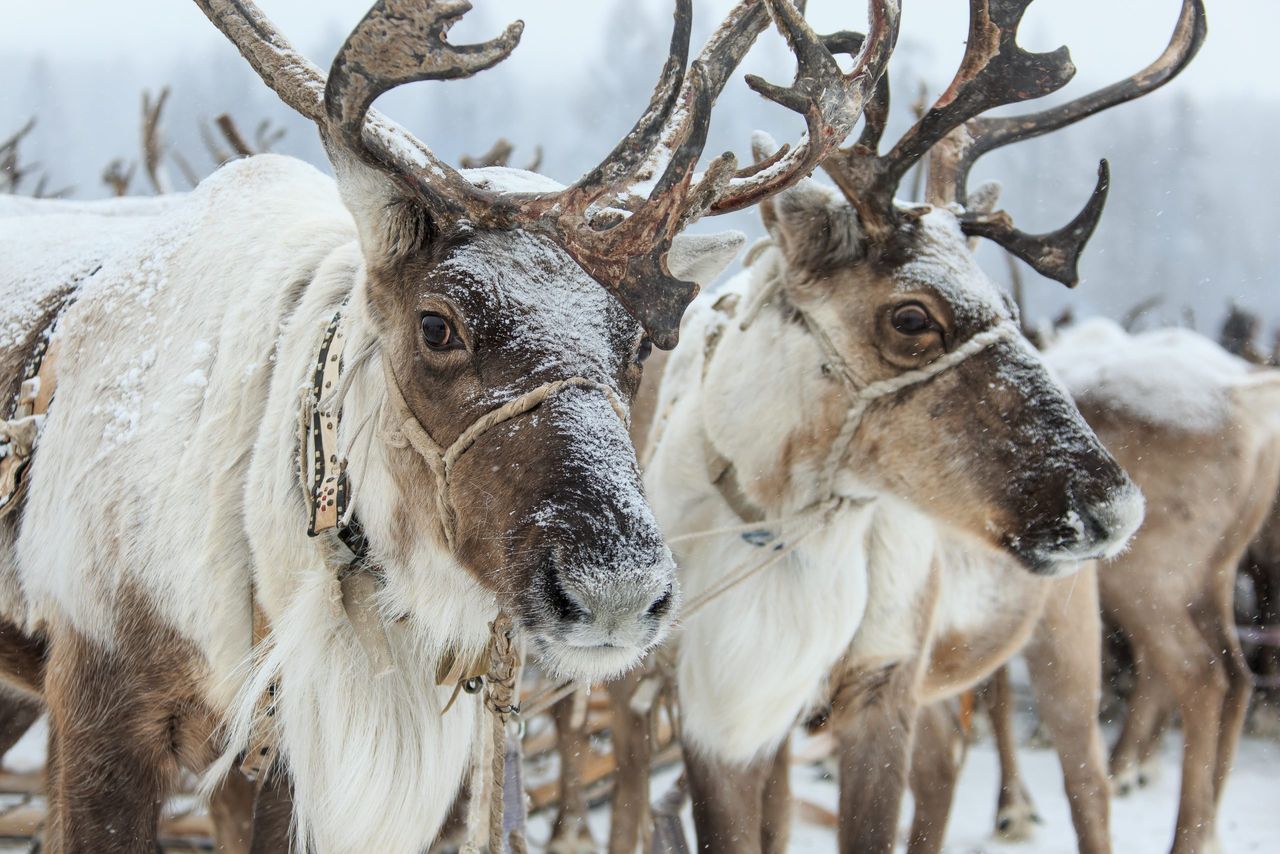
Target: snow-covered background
(1192,215)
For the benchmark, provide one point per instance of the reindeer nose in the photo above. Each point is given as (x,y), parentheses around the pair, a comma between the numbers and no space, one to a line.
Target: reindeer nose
(1109,524)
(620,608)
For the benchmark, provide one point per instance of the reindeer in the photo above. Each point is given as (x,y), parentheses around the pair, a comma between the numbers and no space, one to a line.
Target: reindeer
(312,438)
(861,384)
(1197,430)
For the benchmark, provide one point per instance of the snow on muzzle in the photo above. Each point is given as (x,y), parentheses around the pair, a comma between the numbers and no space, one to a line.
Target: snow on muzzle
(588,574)
(1075,502)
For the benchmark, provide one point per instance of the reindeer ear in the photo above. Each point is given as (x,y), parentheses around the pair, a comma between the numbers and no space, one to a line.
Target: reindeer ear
(815,227)
(701,257)
(392,220)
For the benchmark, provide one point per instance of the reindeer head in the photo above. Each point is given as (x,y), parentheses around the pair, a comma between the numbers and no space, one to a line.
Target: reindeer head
(966,421)
(513,315)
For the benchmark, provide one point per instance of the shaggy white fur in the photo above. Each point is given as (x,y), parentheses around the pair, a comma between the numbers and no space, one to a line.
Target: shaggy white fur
(167,471)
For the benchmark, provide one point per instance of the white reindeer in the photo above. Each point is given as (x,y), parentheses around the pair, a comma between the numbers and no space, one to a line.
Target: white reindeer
(434,357)
(860,384)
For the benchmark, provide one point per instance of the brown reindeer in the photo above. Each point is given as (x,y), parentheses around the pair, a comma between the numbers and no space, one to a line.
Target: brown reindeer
(1198,432)
(887,301)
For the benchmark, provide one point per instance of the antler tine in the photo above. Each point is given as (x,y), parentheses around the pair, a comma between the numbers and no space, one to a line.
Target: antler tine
(987,134)
(298,82)
(1055,255)
(499,154)
(398,42)
(830,100)
(637,147)
(994,71)
(626,254)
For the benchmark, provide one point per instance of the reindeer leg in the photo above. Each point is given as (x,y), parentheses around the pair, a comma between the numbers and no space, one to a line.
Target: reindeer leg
(22,659)
(1221,635)
(231,813)
(1015,813)
(18,712)
(875,755)
(1065,661)
(570,833)
(272,814)
(728,801)
(1193,671)
(936,758)
(775,814)
(108,783)
(1148,710)
(632,753)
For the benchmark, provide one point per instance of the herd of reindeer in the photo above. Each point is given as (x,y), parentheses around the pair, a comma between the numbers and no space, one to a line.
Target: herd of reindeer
(304,480)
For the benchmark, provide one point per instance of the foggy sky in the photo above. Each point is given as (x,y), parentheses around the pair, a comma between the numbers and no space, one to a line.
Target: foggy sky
(1108,38)
(1191,217)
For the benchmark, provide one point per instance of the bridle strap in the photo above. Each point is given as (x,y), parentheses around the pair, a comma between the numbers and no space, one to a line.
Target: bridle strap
(721,471)
(323,471)
(403,429)
(861,397)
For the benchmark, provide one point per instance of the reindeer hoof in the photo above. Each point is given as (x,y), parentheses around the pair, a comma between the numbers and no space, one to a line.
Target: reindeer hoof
(1126,781)
(572,839)
(1016,822)
(1149,772)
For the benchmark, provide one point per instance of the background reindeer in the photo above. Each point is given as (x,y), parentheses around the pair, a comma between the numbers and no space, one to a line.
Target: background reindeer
(1197,430)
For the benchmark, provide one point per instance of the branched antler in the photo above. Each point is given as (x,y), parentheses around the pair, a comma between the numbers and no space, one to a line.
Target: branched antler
(12,170)
(499,154)
(153,147)
(14,173)
(118,175)
(265,136)
(994,72)
(401,41)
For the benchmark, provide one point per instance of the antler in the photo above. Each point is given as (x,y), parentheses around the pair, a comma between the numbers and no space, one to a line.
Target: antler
(499,154)
(994,72)
(12,172)
(830,100)
(400,41)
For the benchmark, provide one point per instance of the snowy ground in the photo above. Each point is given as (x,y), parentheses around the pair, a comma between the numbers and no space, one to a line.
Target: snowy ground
(1140,824)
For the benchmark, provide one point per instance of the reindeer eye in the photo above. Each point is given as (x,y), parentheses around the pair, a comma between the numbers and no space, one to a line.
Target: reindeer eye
(911,319)
(438,333)
(643,350)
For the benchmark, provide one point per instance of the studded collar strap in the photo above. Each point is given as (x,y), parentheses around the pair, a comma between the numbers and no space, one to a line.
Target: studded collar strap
(322,470)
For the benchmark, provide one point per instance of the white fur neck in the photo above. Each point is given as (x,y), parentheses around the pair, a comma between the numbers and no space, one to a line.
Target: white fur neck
(753,659)
(375,764)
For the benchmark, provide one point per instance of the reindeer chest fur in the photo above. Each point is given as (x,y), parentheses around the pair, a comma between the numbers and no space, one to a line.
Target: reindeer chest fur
(808,604)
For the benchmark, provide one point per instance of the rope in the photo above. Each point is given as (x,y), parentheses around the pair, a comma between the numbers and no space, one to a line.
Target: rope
(406,430)
(744,527)
(819,513)
(822,513)
(500,704)
(499,698)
